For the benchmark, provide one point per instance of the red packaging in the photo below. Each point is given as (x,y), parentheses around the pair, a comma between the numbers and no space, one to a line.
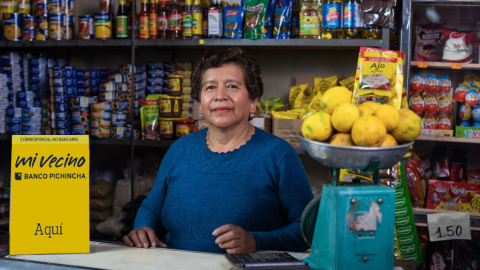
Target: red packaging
(458,46)
(453,196)
(431,105)
(413,175)
(416,104)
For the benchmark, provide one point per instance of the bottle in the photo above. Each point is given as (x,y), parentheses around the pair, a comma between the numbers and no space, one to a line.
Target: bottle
(372,32)
(130,18)
(153,20)
(206,7)
(122,20)
(309,21)
(187,20)
(143,21)
(197,19)
(215,25)
(332,16)
(162,20)
(352,19)
(295,24)
(174,20)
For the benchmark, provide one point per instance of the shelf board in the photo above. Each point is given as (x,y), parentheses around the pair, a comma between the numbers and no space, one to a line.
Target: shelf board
(109,141)
(446,65)
(263,43)
(420,215)
(153,143)
(448,139)
(67,43)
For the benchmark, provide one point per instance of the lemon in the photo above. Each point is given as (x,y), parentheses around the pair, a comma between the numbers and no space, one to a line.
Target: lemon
(374,105)
(368,131)
(389,141)
(344,116)
(317,127)
(388,115)
(342,139)
(409,127)
(365,110)
(334,97)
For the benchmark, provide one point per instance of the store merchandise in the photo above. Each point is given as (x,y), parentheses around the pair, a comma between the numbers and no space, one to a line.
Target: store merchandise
(309,20)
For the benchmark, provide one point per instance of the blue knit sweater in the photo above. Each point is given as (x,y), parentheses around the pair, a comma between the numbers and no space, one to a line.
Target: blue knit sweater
(261,187)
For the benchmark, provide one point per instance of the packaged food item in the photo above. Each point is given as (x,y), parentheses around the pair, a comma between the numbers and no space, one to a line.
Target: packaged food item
(465,112)
(255,11)
(417,83)
(441,255)
(232,19)
(472,97)
(325,84)
(461,93)
(314,105)
(476,113)
(294,92)
(267,24)
(416,104)
(428,44)
(473,177)
(429,122)
(464,124)
(444,105)
(431,106)
(444,84)
(12,26)
(150,119)
(348,83)
(453,196)
(458,45)
(431,84)
(290,114)
(282,19)
(443,123)
(414,182)
(458,169)
(303,99)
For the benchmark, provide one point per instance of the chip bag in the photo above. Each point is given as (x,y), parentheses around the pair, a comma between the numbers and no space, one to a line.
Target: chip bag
(294,92)
(348,83)
(303,99)
(325,84)
(255,11)
(282,19)
(290,114)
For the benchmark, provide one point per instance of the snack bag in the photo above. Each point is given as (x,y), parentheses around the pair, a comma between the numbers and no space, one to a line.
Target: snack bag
(458,46)
(294,92)
(314,105)
(303,99)
(232,22)
(266,105)
(348,83)
(453,196)
(414,182)
(428,44)
(290,114)
(282,19)
(255,11)
(325,84)
(267,24)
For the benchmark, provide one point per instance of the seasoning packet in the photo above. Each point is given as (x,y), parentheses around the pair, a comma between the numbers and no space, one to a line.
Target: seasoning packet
(314,105)
(294,92)
(282,19)
(348,82)
(325,84)
(150,119)
(267,24)
(290,114)
(232,22)
(303,99)
(254,18)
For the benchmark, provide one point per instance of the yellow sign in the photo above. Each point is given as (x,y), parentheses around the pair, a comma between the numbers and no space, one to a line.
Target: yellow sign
(50,195)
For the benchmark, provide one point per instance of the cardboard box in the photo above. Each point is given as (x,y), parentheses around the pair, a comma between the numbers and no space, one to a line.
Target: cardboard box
(467,132)
(287,129)
(261,123)
(437,132)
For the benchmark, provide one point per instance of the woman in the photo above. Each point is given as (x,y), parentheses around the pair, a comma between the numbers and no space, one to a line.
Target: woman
(231,188)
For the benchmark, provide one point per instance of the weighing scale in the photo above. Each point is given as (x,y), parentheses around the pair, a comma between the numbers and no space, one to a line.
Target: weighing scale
(351,226)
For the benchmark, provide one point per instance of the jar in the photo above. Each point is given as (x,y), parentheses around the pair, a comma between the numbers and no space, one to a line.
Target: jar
(175,83)
(166,107)
(167,127)
(184,127)
(177,107)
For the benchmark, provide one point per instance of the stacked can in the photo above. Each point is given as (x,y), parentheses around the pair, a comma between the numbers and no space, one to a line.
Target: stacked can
(85,25)
(32,120)
(30,23)
(40,7)
(26,69)
(12,68)
(185,70)
(155,78)
(80,114)
(100,119)
(42,31)
(24,7)
(8,6)
(46,117)
(37,75)
(4,91)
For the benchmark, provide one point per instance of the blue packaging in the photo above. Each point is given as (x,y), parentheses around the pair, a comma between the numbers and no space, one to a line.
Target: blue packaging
(352,15)
(13,20)
(60,107)
(82,83)
(283,10)
(14,129)
(58,90)
(232,22)
(34,70)
(104,72)
(37,102)
(140,77)
(140,69)
(154,73)
(82,91)
(123,105)
(157,89)
(60,123)
(26,103)
(36,95)
(11,58)
(12,69)
(94,73)
(57,72)
(80,74)
(140,86)
(156,65)
(61,131)
(68,71)
(155,81)
(267,24)
(57,98)
(55,81)
(14,111)
(69,89)
(68,81)
(94,82)
(14,120)
(94,89)
(141,94)
(332,16)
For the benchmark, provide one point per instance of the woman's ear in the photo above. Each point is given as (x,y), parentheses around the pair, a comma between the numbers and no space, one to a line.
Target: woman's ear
(253,106)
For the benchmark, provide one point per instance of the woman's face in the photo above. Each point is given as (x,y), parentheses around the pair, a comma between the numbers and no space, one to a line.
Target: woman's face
(224,100)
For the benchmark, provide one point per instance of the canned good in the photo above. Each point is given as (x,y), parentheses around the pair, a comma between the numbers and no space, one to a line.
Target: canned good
(57,81)
(14,129)
(29,120)
(12,26)
(56,7)
(175,84)
(119,118)
(28,34)
(118,132)
(24,9)
(29,22)
(6,7)
(108,96)
(32,129)
(79,103)
(103,25)
(68,71)
(23,2)
(69,27)
(100,132)
(106,6)
(57,98)
(57,72)
(59,115)
(40,8)
(100,123)
(69,7)
(80,117)
(107,116)
(42,21)
(60,123)
(56,26)
(14,111)
(101,107)
(167,127)
(85,24)
(14,120)
(59,107)
(110,86)
(58,89)
(41,34)
(81,129)
(136,132)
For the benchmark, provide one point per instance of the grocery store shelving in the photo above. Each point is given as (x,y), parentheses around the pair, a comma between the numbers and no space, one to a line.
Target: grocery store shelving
(448,139)
(66,43)
(446,65)
(420,215)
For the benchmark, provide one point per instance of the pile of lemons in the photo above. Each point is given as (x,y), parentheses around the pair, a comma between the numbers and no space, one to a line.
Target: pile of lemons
(370,124)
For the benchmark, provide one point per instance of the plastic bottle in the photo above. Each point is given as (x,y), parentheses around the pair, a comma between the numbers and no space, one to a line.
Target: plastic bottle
(197,19)
(122,20)
(295,24)
(309,20)
(206,7)
(215,25)
(175,20)
(153,19)
(130,18)
(187,20)
(332,17)
(372,32)
(162,20)
(352,19)
(143,21)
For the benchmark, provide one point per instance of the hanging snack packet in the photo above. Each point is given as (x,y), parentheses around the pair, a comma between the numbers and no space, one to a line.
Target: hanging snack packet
(232,22)
(325,84)
(267,24)
(282,19)
(348,83)
(294,92)
(458,46)
(303,99)
(254,18)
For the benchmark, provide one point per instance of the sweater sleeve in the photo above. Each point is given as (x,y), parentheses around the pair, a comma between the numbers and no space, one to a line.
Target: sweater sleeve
(150,212)
(294,193)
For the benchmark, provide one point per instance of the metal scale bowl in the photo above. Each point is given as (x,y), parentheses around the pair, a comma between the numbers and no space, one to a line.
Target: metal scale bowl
(327,227)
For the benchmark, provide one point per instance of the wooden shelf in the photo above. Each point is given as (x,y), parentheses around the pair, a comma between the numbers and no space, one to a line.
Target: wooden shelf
(448,139)
(446,65)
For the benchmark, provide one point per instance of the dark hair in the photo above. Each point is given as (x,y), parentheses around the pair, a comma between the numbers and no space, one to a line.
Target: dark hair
(216,58)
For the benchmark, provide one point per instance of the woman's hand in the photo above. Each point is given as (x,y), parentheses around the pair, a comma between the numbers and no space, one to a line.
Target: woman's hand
(235,239)
(143,237)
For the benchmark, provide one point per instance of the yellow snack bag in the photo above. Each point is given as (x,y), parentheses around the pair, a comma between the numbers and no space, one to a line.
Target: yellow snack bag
(347,175)
(348,82)
(303,99)
(286,115)
(295,91)
(325,84)
(314,105)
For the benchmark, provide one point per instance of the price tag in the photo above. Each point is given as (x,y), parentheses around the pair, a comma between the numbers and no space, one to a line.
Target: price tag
(422,64)
(200,41)
(449,226)
(456,66)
